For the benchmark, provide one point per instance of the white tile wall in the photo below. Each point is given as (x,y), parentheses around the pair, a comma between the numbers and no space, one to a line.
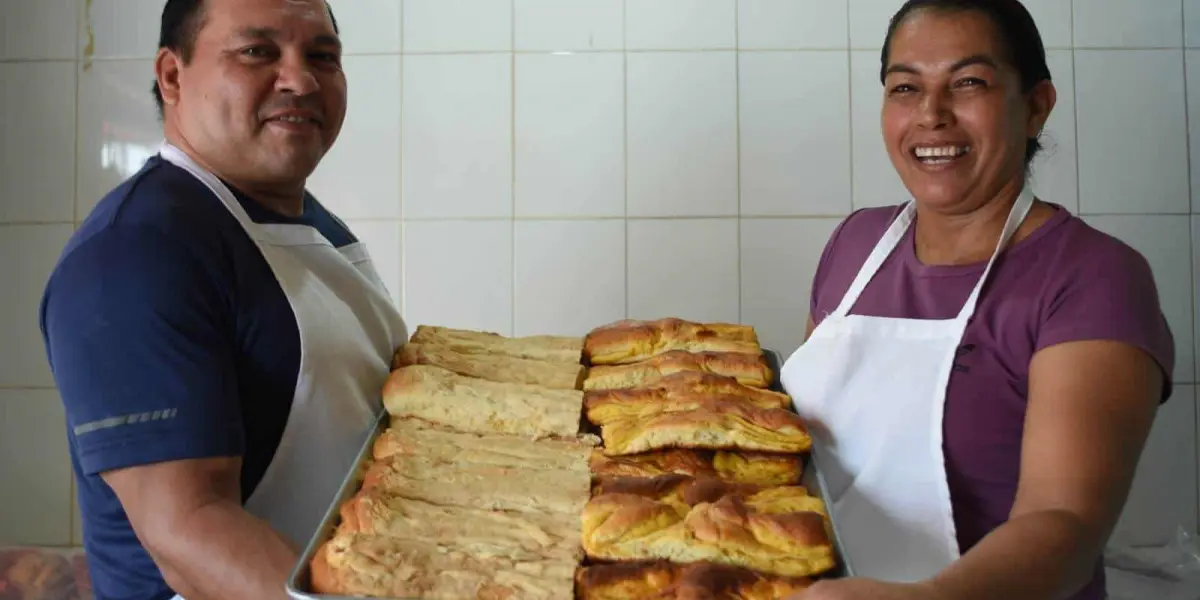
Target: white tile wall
(539,166)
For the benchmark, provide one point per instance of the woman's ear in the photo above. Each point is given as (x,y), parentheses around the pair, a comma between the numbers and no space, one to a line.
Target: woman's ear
(1041,103)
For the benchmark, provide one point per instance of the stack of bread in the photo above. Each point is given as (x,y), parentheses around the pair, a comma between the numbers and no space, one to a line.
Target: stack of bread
(697,486)
(475,488)
(647,460)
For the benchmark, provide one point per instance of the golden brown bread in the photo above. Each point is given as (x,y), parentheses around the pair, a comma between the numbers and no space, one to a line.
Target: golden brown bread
(474,405)
(413,437)
(484,486)
(356,564)
(780,530)
(679,491)
(493,367)
(602,405)
(712,424)
(748,369)
(743,467)
(472,530)
(548,348)
(630,341)
(662,580)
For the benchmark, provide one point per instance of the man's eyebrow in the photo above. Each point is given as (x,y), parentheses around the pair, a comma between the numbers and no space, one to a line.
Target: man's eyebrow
(974,59)
(270,33)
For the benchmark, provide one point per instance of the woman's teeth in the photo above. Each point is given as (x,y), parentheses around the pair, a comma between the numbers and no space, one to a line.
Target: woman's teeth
(940,154)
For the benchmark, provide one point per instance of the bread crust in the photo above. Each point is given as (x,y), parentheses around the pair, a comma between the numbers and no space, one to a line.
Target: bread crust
(605,405)
(759,468)
(630,341)
(748,369)
(493,367)
(473,405)
(709,424)
(662,580)
(549,348)
(781,531)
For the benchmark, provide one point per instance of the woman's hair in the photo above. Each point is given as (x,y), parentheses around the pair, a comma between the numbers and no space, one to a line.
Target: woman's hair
(1016,29)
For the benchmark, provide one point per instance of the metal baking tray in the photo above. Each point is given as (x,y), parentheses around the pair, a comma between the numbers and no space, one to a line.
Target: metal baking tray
(298,585)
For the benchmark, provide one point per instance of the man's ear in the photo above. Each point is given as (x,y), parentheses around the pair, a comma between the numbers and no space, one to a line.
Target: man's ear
(166,69)
(1042,99)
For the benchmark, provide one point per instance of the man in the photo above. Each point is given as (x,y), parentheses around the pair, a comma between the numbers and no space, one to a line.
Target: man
(219,338)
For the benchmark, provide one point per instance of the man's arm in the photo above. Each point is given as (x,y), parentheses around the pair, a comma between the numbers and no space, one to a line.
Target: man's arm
(141,335)
(1091,405)
(188,515)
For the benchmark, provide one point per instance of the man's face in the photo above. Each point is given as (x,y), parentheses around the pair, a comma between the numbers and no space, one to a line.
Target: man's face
(264,96)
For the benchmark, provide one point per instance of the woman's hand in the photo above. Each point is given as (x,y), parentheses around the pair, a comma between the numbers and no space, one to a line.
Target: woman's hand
(854,588)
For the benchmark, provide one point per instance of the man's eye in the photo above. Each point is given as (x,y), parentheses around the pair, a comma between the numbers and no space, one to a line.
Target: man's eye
(327,57)
(256,52)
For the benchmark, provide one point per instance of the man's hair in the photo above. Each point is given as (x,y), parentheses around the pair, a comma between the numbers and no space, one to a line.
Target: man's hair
(181,23)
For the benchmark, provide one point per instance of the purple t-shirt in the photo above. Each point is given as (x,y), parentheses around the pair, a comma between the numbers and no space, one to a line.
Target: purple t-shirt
(1064,282)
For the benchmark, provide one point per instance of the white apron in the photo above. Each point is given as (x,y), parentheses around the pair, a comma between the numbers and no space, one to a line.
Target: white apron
(874,390)
(349,329)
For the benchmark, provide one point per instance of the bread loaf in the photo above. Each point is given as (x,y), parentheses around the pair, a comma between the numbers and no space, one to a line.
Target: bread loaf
(758,468)
(503,369)
(709,424)
(413,437)
(662,580)
(748,369)
(367,565)
(602,406)
(781,531)
(632,341)
(472,405)
(547,348)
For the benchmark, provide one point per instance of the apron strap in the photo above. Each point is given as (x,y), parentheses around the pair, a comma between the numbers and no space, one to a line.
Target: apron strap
(891,238)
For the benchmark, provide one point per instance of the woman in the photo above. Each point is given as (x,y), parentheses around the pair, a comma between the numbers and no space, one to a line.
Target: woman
(982,367)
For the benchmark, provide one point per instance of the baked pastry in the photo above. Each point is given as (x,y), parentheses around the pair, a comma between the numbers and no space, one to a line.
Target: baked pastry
(472,405)
(710,424)
(493,367)
(413,437)
(547,348)
(630,341)
(748,369)
(484,486)
(663,580)
(476,531)
(679,491)
(781,531)
(355,564)
(742,467)
(604,405)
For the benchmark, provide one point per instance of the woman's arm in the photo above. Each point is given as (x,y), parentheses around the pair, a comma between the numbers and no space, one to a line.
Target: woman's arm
(1090,408)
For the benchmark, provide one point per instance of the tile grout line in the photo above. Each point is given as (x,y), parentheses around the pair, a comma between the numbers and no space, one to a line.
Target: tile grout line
(1075,116)
(1187,116)
(850,101)
(625,136)
(737,148)
(512,163)
(402,293)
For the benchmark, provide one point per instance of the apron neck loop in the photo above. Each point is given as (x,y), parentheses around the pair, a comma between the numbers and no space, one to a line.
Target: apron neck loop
(891,238)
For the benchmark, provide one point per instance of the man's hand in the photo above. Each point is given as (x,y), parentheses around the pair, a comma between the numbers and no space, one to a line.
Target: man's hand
(867,589)
(188,515)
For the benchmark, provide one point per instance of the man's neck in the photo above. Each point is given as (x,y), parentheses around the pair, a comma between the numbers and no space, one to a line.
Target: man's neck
(285,200)
(964,238)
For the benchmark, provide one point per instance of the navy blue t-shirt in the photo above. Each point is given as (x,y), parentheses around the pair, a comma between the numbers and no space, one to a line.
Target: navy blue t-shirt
(169,338)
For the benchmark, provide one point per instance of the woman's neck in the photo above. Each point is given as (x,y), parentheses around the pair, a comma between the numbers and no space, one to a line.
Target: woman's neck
(948,238)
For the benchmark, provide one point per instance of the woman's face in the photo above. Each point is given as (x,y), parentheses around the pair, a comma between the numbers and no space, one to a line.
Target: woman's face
(955,121)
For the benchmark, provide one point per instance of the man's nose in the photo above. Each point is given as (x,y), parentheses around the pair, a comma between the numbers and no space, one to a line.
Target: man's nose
(296,77)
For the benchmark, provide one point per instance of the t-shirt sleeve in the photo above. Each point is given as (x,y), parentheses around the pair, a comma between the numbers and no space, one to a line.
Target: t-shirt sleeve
(1112,296)
(140,340)
(821,299)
